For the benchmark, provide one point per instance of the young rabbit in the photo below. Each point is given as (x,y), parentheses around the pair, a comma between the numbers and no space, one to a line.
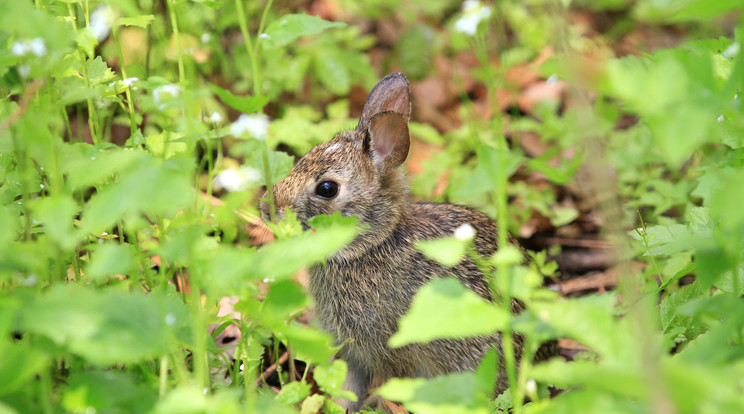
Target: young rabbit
(362,291)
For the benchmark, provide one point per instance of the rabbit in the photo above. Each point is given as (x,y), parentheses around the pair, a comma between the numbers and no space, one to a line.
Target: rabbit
(362,290)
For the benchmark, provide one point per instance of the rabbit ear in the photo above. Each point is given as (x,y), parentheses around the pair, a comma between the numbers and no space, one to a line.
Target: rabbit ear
(391,94)
(387,141)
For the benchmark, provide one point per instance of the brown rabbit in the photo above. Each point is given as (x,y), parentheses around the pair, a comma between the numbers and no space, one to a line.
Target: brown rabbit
(362,291)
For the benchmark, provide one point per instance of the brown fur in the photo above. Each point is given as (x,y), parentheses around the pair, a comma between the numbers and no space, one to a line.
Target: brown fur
(362,291)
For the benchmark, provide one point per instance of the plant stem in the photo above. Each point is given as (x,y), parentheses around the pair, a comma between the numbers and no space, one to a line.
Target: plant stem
(92,115)
(177,38)
(127,92)
(249,47)
(269,184)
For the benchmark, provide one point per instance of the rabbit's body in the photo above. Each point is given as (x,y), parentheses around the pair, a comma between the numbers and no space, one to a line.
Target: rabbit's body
(362,290)
(362,298)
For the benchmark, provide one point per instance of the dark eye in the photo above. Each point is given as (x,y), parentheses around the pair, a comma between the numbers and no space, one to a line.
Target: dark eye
(327,189)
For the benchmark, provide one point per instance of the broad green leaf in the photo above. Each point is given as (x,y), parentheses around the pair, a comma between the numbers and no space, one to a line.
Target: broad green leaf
(590,321)
(244,104)
(142,21)
(330,378)
(56,214)
(280,165)
(19,363)
(110,259)
(294,392)
(290,27)
(151,185)
(445,308)
(283,258)
(447,251)
(683,10)
(105,327)
(332,73)
(166,144)
(98,71)
(313,404)
(415,51)
(454,393)
(106,391)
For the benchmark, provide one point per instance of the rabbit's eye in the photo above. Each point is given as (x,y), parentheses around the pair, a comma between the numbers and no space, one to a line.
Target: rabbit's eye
(327,189)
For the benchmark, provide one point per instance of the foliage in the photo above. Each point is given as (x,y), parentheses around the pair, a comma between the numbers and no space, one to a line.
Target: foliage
(114,136)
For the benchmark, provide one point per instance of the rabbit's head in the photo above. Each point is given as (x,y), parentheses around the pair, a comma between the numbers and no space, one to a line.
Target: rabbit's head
(357,172)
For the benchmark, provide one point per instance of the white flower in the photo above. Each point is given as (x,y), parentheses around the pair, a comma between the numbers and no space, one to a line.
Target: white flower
(101,20)
(255,125)
(264,36)
(24,71)
(473,12)
(531,387)
(215,117)
(161,92)
(20,48)
(234,180)
(170,319)
(731,51)
(130,81)
(206,37)
(38,47)
(465,232)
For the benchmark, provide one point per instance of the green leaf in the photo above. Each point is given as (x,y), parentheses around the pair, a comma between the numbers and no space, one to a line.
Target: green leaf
(105,327)
(331,378)
(98,71)
(445,308)
(293,26)
(313,404)
(280,165)
(283,258)
(110,259)
(294,392)
(454,393)
(332,73)
(151,185)
(56,214)
(448,251)
(244,104)
(106,391)
(19,363)
(140,21)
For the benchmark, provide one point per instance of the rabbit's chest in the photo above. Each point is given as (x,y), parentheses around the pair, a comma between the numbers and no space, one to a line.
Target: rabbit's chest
(363,305)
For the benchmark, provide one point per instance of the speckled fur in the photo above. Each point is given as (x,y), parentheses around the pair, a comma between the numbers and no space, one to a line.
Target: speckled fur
(362,291)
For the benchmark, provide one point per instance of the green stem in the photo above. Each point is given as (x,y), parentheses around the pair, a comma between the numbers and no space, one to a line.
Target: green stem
(163,377)
(507,340)
(92,115)
(269,184)
(127,92)
(177,38)
(249,47)
(200,340)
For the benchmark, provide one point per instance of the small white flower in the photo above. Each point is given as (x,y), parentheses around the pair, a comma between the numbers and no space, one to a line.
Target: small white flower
(465,232)
(234,180)
(20,48)
(206,37)
(215,117)
(530,387)
(101,20)
(255,125)
(241,367)
(720,118)
(170,319)
(161,92)
(731,51)
(38,47)
(264,36)
(473,12)
(24,71)
(130,81)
